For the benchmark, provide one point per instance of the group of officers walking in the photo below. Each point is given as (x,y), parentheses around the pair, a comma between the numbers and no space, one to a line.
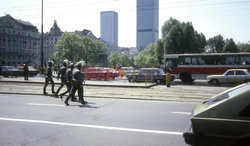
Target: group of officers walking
(71,77)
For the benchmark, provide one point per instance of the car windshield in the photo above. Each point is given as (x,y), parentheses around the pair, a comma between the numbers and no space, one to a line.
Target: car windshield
(161,71)
(228,94)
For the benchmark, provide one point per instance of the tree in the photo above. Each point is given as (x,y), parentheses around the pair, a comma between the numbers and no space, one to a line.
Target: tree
(230,46)
(76,48)
(216,44)
(244,47)
(124,60)
(114,59)
(147,57)
(67,47)
(159,51)
(182,38)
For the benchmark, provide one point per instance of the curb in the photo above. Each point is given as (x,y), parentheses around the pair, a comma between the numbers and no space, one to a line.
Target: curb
(118,86)
(119,98)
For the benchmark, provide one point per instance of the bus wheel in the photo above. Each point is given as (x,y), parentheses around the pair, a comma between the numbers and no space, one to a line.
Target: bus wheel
(215,82)
(186,77)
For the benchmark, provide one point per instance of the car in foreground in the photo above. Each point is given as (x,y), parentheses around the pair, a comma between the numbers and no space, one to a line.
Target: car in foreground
(223,120)
(230,76)
(156,75)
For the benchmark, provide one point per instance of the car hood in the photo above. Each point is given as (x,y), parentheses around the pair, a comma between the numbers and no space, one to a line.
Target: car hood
(200,108)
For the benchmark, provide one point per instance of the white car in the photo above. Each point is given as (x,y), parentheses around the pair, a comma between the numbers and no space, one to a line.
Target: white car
(230,76)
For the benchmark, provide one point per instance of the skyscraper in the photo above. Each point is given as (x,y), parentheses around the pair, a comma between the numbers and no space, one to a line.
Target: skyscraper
(147,23)
(109,27)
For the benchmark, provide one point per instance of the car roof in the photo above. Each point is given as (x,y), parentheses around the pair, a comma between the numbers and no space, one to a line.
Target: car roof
(238,69)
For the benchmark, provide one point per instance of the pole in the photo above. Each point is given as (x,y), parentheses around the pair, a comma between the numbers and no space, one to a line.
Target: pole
(42,37)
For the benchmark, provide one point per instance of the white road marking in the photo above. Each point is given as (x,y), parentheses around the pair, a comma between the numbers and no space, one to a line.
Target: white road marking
(39,104)
(93,126)
(183,113)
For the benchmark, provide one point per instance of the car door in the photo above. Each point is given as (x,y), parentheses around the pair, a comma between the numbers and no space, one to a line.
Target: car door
(141,75)
(230,76)
(240,76)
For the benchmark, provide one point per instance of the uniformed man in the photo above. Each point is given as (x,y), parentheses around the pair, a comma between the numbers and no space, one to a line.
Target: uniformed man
(77,79)
(61,74)
(68,80)
(48,78)
(26,71)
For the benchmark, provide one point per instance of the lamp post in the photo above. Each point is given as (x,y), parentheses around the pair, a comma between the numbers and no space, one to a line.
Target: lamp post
(42,38)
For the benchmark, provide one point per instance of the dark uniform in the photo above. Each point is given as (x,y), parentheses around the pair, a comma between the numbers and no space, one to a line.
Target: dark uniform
(68,80)
(48,78)
(77,79)
(61,75)
(26,71)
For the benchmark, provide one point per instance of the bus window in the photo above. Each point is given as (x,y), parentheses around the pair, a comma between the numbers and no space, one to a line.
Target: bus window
(200,61)
(244,60)
(187,60)
(171,62)
(194,60)
(230,60)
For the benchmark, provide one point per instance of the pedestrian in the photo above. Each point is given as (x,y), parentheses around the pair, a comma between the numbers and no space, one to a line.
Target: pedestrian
(48,78)
(77,79)
(68,81)
(26,71)
(61,75)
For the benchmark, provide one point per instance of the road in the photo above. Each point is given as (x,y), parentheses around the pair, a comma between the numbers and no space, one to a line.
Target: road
(43,120)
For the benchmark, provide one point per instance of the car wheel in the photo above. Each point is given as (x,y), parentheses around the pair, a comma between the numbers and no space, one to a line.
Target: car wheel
(186,77)
(158,81)
(215,82)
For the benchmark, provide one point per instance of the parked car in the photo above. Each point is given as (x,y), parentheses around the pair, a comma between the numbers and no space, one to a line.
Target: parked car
(149,75)
(99,73)
(10,71)
(223,120)
(126,70)
(230,76)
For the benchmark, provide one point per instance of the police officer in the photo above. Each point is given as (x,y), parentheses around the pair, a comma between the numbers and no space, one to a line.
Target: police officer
(68,80)
(48,78)
(77,79)
(26,71)
(61,75)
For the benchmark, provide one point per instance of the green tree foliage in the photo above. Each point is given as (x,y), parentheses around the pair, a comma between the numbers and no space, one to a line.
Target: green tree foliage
(124,61)
(216,44)
(148,57)
(230,46)
(244,47)
(114,60)
(182,38)
(76,48)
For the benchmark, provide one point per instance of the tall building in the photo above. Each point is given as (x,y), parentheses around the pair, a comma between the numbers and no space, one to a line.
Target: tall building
(109,27)
(147,23)
(19,42)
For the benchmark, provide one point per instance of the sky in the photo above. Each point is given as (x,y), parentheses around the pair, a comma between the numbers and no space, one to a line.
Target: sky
(229,18)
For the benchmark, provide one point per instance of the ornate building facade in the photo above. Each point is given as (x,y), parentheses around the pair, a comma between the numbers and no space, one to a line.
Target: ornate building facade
(50,39)
(19,42)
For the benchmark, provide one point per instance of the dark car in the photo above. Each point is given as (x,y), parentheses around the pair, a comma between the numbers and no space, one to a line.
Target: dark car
(223,120)
(10,71)
(149,75)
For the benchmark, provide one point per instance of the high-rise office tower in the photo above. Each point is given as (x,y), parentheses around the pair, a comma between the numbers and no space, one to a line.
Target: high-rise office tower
(147,23)
(109,27)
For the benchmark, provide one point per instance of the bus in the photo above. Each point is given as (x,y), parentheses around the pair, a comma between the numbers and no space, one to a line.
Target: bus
(189,67)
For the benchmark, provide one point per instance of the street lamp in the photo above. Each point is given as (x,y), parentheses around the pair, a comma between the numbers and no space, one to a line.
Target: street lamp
(42,37)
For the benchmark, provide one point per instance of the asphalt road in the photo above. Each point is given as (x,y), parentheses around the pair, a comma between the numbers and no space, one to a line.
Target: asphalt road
(43,120)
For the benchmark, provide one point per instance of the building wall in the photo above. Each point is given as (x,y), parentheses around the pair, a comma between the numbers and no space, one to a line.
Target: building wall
(19,42)
(147,23)
(109,27)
